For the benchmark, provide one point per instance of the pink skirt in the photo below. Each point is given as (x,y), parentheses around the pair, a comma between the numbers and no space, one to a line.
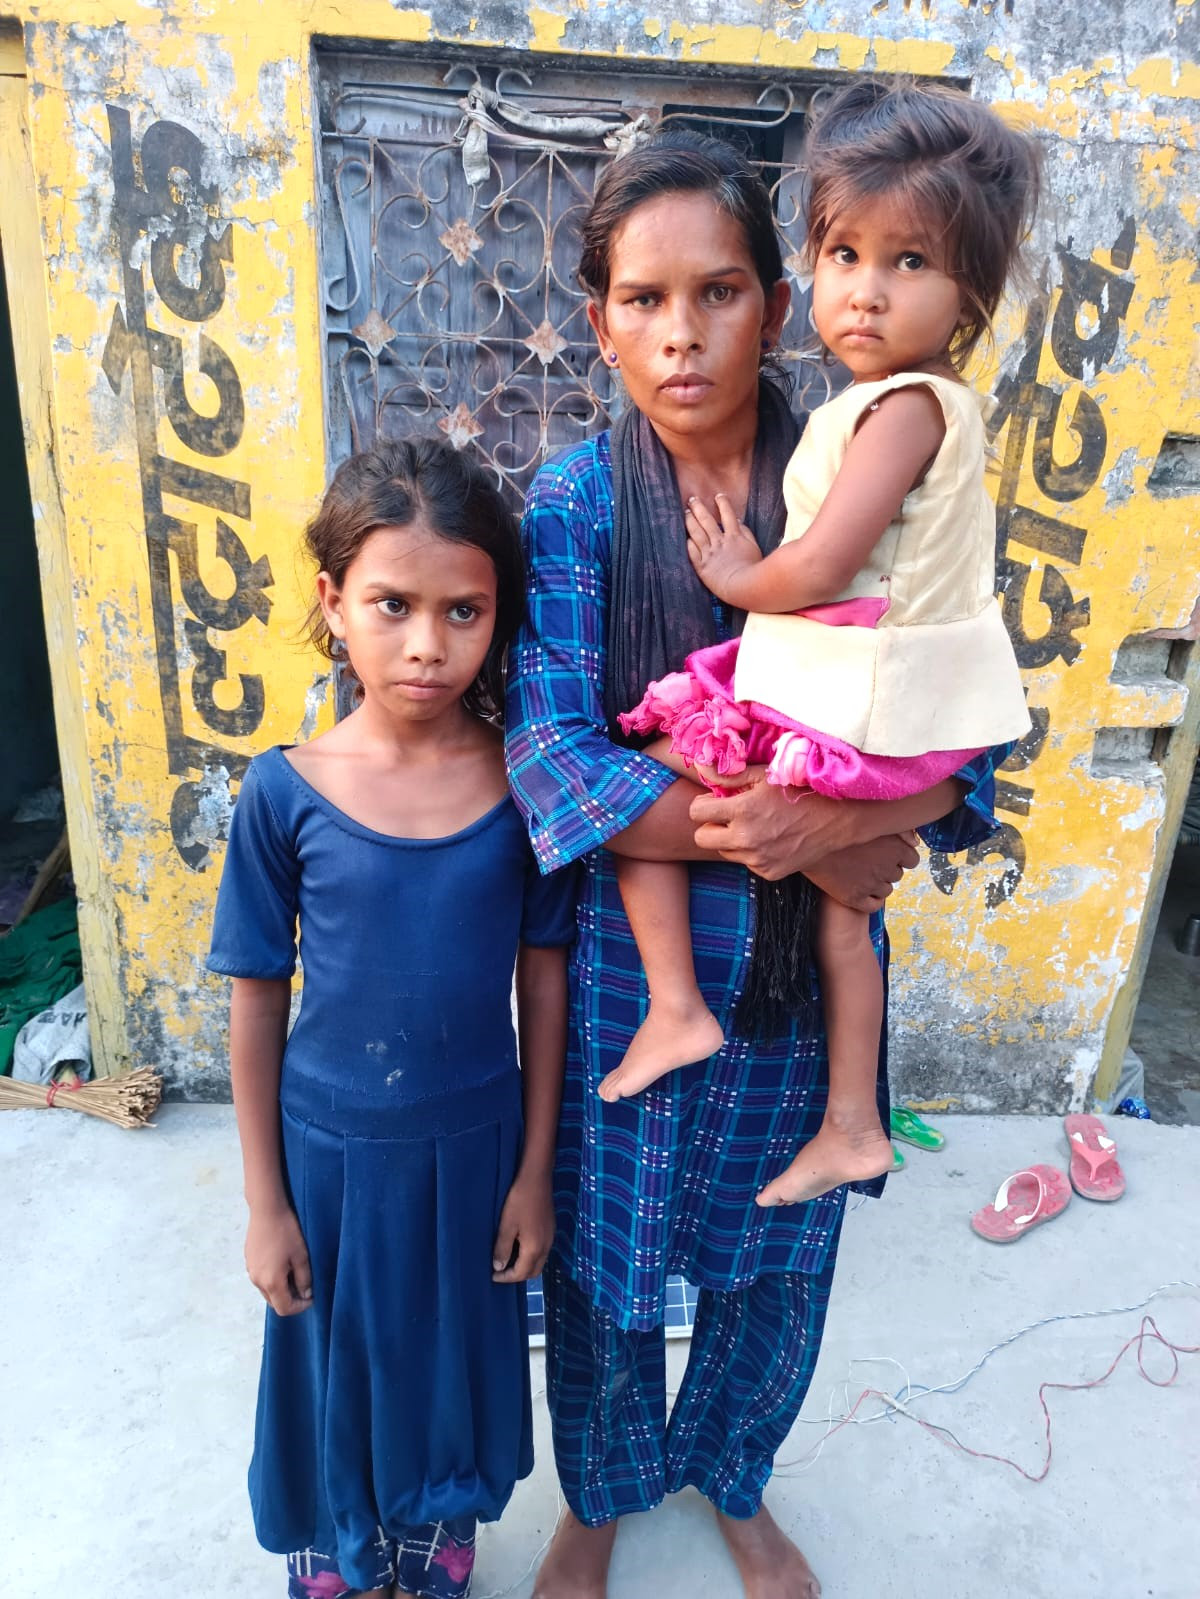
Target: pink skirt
(696,709)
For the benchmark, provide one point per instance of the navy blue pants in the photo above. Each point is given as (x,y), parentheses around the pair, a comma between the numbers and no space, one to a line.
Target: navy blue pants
(751,1361)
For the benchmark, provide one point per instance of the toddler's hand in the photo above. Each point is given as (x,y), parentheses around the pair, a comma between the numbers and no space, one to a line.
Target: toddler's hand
(719,551)
(277,1260)
(526,1231)
(731,783)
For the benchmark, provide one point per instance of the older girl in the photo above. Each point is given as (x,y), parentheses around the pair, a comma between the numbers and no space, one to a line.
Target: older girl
(397,1204)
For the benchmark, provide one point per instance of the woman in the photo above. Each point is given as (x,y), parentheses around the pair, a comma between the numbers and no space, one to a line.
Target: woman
(682,266)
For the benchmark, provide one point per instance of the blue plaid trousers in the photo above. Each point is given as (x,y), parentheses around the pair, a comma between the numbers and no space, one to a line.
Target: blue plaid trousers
(752,1356)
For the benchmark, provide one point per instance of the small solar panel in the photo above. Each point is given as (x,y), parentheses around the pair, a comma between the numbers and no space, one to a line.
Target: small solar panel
(680,1310)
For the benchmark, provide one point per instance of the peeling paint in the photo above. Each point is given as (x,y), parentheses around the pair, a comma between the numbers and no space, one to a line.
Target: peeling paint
(1172,79)
(547,28)
(316,706)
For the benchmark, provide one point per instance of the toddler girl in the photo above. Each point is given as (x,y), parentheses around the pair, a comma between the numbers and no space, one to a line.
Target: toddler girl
(874,661)
(398,1144)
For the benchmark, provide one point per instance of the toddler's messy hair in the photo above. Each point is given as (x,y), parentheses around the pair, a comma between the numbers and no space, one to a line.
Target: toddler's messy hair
(971,181)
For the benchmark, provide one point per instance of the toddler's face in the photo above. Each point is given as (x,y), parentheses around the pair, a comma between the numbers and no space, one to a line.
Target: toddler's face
(882,299)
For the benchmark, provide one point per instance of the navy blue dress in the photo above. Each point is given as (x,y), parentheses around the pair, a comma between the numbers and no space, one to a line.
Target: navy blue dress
(402,1396)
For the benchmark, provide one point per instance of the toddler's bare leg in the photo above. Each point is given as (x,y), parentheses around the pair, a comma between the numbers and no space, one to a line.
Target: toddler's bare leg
(679,1027)
(851,1145)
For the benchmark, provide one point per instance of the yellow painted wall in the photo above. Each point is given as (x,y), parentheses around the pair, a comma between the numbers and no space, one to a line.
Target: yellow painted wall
(175,182)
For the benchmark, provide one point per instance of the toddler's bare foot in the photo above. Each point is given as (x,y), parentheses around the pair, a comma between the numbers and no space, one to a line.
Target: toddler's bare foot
(576,1563)
(668,1038)
(838,1154)
(768,1562)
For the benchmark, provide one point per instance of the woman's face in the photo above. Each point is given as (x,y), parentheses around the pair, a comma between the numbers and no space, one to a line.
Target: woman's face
(686,317)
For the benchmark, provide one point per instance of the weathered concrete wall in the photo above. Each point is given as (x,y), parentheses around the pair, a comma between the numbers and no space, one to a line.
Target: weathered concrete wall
(176,186)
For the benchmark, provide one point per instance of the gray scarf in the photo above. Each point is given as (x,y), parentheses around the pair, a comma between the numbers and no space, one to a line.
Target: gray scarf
(659,611)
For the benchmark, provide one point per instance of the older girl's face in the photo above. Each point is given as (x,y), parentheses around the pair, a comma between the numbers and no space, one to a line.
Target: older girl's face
(686,317)
(416,613)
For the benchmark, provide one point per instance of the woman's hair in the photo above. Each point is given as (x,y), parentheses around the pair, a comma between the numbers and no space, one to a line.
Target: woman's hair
(396,483)
(966,175)
(678,162)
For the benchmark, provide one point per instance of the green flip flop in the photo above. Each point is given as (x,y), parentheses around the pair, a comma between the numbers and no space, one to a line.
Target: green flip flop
(897,1159)
(909,1127)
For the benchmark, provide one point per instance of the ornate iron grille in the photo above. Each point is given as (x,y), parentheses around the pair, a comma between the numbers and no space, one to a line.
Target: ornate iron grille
(451,210)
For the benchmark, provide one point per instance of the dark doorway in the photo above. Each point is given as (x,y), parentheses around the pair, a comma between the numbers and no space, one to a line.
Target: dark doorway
(31,811)
(1166,1025)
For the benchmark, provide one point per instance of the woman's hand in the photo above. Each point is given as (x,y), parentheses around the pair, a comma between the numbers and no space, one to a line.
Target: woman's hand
(277,1260)
(772,831)
(526,1230)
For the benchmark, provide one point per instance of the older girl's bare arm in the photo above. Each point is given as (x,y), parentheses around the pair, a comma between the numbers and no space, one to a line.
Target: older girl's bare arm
(276,1255)
(526,1228)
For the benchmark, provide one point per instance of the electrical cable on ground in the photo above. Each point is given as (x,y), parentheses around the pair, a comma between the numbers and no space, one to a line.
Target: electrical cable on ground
(898,1404)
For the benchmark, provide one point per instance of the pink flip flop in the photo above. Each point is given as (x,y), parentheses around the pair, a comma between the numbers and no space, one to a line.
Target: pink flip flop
(1037,1194)
(1094,1171)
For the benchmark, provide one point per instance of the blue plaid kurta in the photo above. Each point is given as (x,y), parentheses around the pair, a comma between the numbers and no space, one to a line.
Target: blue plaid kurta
(664,1182)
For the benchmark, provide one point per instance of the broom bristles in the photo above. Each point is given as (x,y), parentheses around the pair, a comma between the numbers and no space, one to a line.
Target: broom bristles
(127,1101)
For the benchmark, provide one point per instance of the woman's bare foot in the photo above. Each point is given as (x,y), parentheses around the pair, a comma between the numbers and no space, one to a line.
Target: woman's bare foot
(768,1562)
(576,1563)
(838,1154)
(668,1038)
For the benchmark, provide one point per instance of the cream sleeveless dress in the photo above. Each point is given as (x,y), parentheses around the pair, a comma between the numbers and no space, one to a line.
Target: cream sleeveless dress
(896,682)
(937,671)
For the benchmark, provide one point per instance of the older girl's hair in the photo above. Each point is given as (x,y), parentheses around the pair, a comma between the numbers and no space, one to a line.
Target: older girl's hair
(967,176)
(678,162)
(396,483)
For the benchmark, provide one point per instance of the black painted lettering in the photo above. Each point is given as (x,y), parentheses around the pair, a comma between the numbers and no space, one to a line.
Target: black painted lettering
(251,578)
(1013,797)
(184,211)
(1030,747)
(1085,284)
(209,670)
(1067,616)
(1068,480)
(1063,540)
(1007,845)
(160,195)
(207,435)
(205,488)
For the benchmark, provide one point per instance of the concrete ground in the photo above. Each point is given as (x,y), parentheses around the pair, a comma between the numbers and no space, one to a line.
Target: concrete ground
(130,1343)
